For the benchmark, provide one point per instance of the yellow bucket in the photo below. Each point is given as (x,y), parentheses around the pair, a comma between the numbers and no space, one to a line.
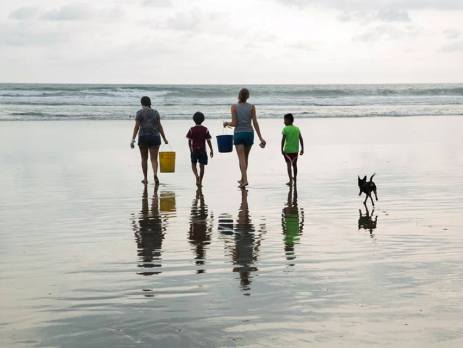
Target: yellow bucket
(167,161)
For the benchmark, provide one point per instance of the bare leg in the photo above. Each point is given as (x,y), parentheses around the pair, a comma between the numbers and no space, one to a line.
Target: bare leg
(201,174)
(247,150)
(195,172)
(290,174)
(294,172)
(243,167)
(372,202)
(144,163)
(154,162)
(376,196)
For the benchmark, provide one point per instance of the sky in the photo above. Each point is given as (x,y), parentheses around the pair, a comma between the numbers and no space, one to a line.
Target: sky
(228,42)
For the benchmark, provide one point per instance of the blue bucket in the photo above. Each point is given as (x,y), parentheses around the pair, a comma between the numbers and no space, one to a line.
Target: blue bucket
(225,143)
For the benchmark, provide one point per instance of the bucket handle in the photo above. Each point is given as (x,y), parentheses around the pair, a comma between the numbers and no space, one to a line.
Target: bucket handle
(168,147)
(226,130)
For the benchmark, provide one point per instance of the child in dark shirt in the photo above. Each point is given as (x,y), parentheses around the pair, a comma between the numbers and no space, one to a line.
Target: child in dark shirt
(197,137)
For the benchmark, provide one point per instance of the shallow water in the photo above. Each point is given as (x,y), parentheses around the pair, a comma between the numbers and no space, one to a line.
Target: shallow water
(89,258)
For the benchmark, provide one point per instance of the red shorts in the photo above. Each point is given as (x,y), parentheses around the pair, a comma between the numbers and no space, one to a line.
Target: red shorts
(291,157)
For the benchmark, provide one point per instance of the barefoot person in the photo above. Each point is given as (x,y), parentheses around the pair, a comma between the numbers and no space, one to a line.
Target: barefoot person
(149,129)
(290,147)
(197,137)
(243,119)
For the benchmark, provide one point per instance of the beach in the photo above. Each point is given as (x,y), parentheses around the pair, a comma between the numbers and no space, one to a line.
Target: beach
(89,259)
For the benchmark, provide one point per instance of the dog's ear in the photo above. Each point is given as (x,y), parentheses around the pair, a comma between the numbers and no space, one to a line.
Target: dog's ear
(364,178)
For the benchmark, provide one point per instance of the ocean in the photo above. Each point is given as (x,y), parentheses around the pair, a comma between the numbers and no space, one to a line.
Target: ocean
(24,102)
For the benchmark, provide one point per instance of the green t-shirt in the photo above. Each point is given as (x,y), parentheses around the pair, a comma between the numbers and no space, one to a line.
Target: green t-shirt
(292,139)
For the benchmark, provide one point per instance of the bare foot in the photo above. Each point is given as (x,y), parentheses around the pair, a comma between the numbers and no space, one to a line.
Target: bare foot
(144,182)
(289,183)
(243,184)
(156,180)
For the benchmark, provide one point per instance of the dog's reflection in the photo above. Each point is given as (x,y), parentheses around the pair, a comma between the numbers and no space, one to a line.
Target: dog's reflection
(199,234)
(292,222)
(149,228)
(367,221)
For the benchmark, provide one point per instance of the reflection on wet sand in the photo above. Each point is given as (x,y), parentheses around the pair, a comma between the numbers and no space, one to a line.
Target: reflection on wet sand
(199,234)
(150,229)
(244,247)
(367,221)
(292,223)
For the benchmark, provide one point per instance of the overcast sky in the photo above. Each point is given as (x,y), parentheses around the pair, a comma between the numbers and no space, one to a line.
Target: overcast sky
(239,41)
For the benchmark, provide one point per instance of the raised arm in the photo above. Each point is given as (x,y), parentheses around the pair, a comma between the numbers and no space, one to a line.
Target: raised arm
(256,124)
(134,134)
(302,143)
(234,120)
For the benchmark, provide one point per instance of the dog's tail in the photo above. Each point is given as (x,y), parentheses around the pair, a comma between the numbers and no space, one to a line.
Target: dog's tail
(371,177)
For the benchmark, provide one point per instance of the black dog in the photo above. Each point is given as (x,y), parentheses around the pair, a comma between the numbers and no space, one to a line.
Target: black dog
(367,187)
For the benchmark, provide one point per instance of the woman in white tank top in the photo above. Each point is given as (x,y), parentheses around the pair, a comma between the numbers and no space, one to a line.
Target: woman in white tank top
(243,119)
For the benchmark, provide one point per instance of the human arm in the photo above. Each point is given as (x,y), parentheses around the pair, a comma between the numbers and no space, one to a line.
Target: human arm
(302,144)
(209,143)
(161,131)
(234,120)
(283,139)
(256,125)
(134,134)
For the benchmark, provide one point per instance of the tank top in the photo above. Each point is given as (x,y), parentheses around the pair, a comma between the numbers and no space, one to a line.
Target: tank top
(149,121)
(243,116)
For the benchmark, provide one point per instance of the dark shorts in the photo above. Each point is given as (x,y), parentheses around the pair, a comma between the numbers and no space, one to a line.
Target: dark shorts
(243,138)
(149,140)
(291,157)
(200,157)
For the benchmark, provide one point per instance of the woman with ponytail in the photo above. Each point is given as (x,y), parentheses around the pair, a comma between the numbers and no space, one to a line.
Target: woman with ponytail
(244,120)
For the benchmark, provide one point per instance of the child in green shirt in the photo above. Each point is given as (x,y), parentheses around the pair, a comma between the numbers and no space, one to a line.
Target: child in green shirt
(290,147)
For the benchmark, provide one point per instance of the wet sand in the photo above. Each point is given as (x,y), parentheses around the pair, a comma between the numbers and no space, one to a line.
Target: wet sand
(89,258)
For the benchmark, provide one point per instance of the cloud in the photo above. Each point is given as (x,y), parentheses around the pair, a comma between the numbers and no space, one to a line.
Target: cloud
(158,3)
(385,32)
(195,21)
(454,46)
(19,35)
(301,45)
(24,13)
(452,34)
(71,12)
(373,5)
(384,15)
(393,15)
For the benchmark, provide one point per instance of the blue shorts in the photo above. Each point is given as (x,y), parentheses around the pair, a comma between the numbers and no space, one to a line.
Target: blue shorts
(243,138)
(200,156)
(149,140)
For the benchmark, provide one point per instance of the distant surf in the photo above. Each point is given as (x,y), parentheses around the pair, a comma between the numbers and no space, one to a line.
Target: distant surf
(117,102)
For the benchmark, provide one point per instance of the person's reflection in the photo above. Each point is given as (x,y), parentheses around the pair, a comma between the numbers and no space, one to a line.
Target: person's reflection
(246,245)
(200,231)
(292,222)
(367,221)
(149,231)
